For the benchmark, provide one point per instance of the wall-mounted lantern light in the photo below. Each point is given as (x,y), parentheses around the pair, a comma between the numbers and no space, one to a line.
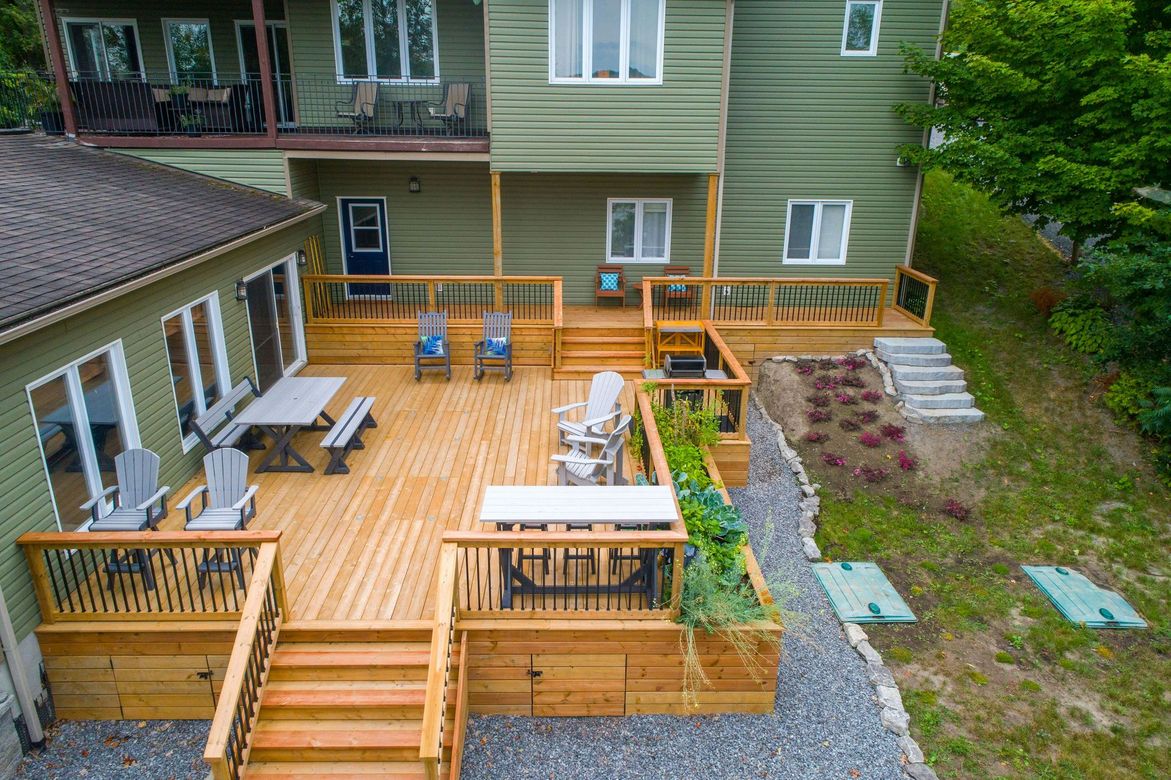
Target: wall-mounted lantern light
(302,258)
(414,185)
(241,290)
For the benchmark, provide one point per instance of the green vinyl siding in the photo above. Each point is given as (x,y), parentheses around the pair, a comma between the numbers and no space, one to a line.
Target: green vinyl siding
(541,127)
(555,224)
(806,123)
(149,15)
(135,318)
(445,229)
(260,168)
(303,184)
(459,24)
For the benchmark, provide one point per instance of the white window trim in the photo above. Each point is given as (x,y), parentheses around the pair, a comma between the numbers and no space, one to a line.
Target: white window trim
(816,231)
(588,48)
(292,282)
(639,203)
(215,332)
(240,24)
(381,238)
(121,379)
(371,65)
(874,29)
(171,54)
(68,20)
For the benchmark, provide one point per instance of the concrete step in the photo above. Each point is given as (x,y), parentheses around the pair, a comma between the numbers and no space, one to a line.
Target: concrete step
(915,358)
(940,401)
(930,387)
(925,373)
(908,346)
(949,416)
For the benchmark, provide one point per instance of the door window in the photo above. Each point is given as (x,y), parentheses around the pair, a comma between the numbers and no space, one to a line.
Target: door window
(84,417)
(105,49)
(198,359)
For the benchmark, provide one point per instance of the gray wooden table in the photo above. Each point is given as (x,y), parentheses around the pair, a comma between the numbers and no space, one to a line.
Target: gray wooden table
(291,405)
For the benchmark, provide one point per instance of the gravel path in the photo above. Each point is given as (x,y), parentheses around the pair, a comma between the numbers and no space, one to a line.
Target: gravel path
(826,721)
(99,749)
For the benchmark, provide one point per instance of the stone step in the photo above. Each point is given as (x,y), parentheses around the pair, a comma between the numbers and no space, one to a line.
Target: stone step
(940,401)
(949,416)
(925,373)
(930,387)
(915,358)
(908,346)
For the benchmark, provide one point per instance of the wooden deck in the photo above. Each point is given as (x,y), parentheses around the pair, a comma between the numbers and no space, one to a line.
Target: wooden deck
(362,546)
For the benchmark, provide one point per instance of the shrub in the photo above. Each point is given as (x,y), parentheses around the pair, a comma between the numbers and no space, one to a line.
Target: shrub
(871,396)
(1046,299)
(871,474)
(953,508)
(851,380)
(819,399)
(846,399)
(816,415)
(832,460)
(894,432)
(685,423)
(825,382)
(805,369)
(906,462)
(867,416)
(850,425)
(1086,327)
(868,439)
(817,437)
(1129,394)
(851,362)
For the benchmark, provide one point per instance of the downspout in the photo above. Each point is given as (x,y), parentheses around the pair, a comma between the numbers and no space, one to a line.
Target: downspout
(19,680)
(722,141)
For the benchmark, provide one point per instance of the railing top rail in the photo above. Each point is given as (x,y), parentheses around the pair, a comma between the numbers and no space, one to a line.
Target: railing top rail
(733,280)
(146,539)
(433,704)
(384,278)
(655,445)
(909,271)
(563,539)
(726,352)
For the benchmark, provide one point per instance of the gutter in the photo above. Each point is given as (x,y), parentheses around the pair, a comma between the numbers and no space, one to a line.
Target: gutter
(24,696)
(25,328)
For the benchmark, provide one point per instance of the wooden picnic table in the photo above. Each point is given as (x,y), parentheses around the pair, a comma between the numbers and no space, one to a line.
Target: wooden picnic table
(291,405)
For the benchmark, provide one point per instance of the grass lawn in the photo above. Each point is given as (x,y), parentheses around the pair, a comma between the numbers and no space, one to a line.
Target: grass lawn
(998,684)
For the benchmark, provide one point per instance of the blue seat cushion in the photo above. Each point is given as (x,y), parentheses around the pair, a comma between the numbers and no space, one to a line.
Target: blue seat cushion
(608,281)
(497,347)
(433,345)
(676,287)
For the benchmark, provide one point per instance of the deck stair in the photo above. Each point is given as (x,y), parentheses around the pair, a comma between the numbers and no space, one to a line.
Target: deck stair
(933,389)
(589,348)
(346,703)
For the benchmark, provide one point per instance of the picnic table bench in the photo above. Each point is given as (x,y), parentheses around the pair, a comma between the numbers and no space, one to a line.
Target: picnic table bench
(346,433)
(215,428)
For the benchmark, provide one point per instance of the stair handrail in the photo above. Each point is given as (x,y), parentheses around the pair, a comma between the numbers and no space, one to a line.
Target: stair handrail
(229,740)
(439,665)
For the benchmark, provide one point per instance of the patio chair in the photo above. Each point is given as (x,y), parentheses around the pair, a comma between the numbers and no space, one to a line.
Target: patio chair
(432,350)
(610,282)
(362,106)
(677,294)
(600,408)
(227,504)
(138,501)
(582,466)
(493,352)
(453,110)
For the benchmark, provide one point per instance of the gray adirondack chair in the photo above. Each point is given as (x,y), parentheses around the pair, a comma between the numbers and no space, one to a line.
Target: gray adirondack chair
(594,458)
(432,324)
(600,408)
(497,325)
(138,501)
(228,503)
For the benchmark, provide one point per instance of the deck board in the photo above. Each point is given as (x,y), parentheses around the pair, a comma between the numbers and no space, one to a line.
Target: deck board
(362,546)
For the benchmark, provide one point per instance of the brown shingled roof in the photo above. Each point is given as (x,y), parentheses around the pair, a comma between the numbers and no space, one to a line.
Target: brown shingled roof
(75,221)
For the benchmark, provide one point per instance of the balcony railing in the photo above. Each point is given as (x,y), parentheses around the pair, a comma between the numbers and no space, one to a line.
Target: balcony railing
(28,99)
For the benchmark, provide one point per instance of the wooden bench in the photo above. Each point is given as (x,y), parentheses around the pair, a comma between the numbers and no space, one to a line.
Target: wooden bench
(346,433)
(215,428)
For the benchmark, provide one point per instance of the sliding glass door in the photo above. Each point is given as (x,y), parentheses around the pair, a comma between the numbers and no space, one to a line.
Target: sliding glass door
(274,320)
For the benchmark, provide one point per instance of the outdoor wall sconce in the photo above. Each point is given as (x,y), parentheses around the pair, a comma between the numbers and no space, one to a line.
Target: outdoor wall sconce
(302,258)
(241,290)
(414,185)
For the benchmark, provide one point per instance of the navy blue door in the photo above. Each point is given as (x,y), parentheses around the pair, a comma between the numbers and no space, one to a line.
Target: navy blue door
(366,242)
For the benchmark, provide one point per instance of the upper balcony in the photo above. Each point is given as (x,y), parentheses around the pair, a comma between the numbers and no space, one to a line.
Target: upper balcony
(345,75)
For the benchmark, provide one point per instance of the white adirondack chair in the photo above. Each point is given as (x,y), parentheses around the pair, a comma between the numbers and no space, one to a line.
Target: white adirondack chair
(600,408)
(582,466)
(138,501)
(228,503)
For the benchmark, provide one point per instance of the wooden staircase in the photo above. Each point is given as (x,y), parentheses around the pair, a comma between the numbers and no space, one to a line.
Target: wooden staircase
(348,702)
(588,349)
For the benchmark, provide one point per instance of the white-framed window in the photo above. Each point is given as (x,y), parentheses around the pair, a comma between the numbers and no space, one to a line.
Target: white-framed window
(83,416)
(860,28)
(385,40)
(105,49)
(606,41)
(198,360)
(189,53)
(638,230)
(817,231)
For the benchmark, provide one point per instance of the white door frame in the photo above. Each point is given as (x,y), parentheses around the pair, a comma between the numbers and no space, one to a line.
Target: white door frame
(341,234)
(292,282)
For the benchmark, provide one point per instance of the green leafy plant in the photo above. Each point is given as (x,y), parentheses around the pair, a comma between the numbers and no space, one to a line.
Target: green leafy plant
(1085,327)
(1129,395)
(714,527)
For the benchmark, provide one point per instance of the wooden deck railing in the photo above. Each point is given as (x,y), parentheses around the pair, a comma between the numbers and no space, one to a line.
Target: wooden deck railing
(144,576)
(914,294)
(824,302)
(230,739)
(373,299)
(439,671)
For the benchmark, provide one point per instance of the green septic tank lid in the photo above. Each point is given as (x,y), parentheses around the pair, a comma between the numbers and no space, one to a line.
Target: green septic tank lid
(1082,602)
(861,593)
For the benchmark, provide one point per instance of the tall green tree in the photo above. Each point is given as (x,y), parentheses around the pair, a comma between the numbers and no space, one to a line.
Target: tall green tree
(20,36)
(1059,108)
